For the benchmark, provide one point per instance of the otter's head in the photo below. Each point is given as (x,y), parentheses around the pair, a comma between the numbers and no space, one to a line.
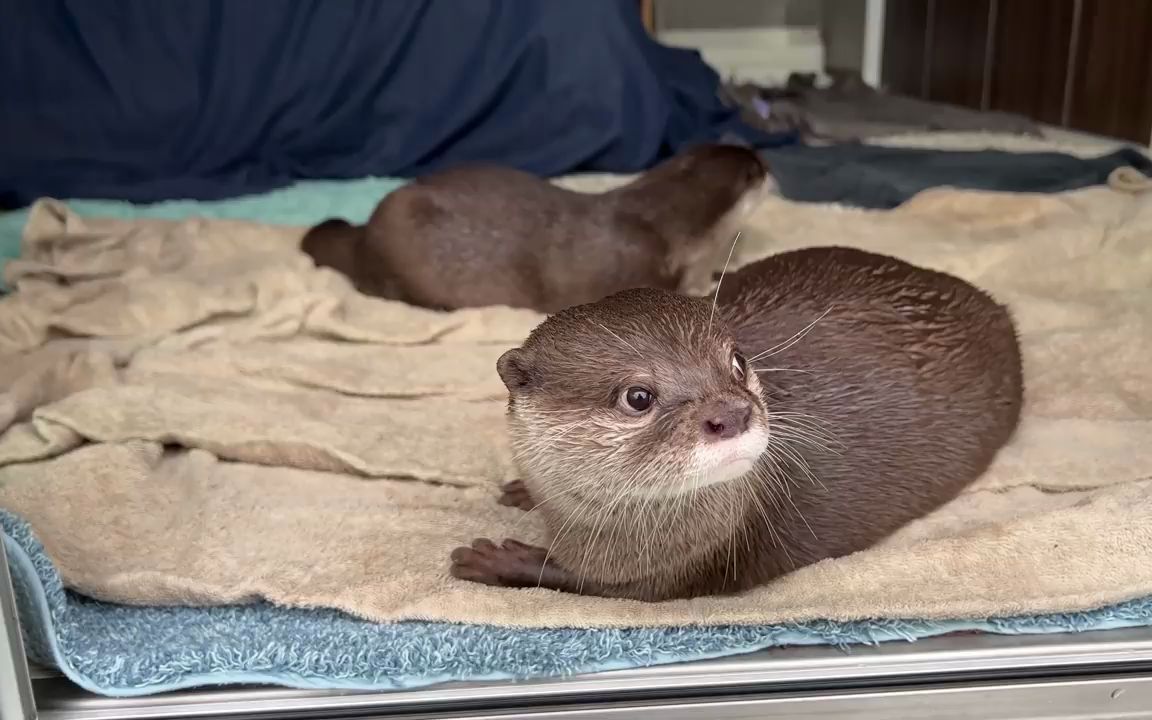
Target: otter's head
(642,394)
(731,163)
(709,187)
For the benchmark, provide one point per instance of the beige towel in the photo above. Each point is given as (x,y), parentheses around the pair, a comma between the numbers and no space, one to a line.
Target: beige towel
(197,415)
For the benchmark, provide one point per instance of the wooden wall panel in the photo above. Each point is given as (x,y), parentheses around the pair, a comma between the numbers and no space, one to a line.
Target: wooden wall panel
(1084,64)
(958,44)
(1030,51)
(648,15)
(902,65)
(1112,80)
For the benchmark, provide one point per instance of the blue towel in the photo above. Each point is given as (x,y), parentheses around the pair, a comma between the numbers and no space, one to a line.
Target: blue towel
(301,204)
(128,650)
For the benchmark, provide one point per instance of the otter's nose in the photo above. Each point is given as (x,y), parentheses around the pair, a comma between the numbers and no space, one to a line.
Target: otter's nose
(725,420)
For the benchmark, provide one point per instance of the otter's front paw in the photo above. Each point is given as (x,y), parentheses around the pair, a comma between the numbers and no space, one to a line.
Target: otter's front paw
(515,494)
(510,564)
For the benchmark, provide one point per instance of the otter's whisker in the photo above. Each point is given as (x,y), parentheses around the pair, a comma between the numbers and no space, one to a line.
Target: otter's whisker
(797,337)
(801,464)
(601,519)
(807,422)
(646,548)
(807,437)
(810,440)
(716,292)
(557,436)
(643,552)
(795,370)
(783,422)
(577,513)
(802,428)
(730,560)
(803,416)
(541,501)
(766,516)
(622,340)
(566,411)
(811,416)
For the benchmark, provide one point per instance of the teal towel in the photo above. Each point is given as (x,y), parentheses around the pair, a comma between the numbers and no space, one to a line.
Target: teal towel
(305,203)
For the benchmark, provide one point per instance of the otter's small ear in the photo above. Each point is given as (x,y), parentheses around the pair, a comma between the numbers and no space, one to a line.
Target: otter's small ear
(514,370)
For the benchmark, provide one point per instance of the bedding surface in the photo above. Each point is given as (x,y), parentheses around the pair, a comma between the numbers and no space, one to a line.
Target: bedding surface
(881,174)
(1071,266)
(229,423)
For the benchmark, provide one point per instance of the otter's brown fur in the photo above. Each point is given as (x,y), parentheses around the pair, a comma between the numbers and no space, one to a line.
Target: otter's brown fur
(885,389)
(477,236)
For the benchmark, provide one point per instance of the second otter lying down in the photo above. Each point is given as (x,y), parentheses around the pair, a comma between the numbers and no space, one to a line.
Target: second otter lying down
(677,449)
(476,236)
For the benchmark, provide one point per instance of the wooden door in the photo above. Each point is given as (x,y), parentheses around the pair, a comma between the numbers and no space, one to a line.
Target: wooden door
(1083,64)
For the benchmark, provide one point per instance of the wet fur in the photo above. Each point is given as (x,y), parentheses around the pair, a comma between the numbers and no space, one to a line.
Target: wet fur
(886,389)
(479,236)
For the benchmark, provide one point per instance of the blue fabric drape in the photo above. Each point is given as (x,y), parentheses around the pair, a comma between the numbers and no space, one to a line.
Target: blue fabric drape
(143,100)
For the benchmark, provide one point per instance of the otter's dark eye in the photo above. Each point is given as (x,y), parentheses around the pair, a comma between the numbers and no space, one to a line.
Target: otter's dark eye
(638,399)
(739,367)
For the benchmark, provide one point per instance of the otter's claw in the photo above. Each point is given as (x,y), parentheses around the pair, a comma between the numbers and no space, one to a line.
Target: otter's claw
(510,564)
(515,494)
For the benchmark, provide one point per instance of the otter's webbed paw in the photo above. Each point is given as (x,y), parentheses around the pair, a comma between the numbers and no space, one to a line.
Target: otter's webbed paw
(515,494)
(509,564)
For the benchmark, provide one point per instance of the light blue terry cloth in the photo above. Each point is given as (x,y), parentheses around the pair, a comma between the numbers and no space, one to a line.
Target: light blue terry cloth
(128,650)
(305,203)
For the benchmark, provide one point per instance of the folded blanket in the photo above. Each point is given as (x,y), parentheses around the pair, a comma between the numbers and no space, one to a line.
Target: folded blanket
(199,416)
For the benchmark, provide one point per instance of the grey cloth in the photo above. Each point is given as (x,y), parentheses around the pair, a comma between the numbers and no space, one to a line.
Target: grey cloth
(849,109)
(873,176)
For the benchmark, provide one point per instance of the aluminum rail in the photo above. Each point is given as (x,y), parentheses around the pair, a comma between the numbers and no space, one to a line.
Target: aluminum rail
(15,685)
(1103,674)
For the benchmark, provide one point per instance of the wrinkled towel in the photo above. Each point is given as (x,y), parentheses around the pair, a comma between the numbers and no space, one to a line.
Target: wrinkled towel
(199,416)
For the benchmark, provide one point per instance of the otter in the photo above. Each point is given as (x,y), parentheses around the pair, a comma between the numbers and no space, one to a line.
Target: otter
(678,446)
(479,236)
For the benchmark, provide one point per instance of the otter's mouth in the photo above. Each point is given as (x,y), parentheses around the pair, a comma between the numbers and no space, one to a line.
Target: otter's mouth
(741,465)
(726,471)
(721,462)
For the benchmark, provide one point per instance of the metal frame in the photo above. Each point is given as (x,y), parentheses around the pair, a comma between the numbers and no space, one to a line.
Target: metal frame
(1102,697)
(1102,674)
(16,699)
(873,60)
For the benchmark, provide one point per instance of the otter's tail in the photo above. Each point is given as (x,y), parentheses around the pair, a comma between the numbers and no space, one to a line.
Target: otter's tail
(335,243)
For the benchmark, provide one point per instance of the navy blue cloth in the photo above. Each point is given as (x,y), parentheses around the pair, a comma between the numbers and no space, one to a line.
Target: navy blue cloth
(144,100)
(883,177)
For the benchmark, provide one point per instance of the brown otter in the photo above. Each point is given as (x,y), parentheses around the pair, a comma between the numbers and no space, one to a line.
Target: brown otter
(678,448)
(476,236)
